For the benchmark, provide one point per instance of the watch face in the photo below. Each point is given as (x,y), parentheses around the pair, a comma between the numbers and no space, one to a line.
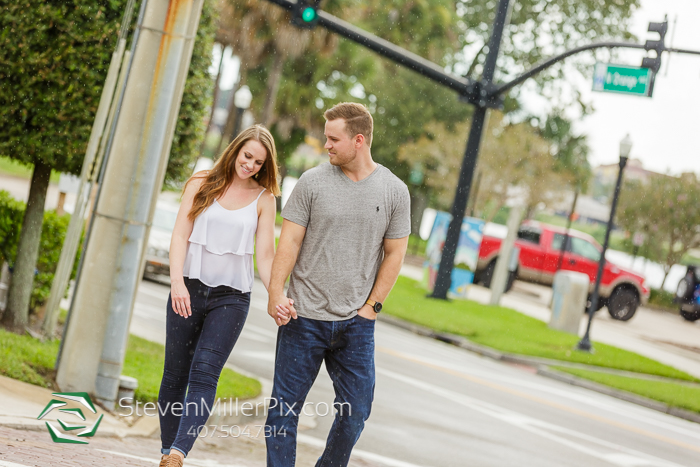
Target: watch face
(377,307)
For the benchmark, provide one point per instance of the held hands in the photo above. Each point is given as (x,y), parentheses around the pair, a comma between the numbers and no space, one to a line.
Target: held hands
(281,309)
(180,298)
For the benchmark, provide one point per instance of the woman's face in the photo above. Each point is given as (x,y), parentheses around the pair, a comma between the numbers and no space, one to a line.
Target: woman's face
(251,158)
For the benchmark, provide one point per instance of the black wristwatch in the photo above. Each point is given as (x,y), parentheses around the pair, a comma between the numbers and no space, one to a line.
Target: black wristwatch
(376,306)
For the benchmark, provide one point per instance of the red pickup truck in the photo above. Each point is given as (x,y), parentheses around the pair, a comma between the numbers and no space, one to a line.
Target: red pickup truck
(621,290)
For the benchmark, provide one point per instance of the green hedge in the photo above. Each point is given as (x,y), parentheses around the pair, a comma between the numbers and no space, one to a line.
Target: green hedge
(53,232)
(663,299)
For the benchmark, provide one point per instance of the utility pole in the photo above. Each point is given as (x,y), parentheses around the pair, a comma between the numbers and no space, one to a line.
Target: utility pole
(499,281)
(87,178)
(564,242)
(101,308)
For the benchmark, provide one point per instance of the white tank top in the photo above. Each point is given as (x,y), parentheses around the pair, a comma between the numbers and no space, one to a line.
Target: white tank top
(220,248)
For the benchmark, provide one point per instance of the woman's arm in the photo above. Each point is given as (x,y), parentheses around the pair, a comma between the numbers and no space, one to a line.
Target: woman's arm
(178,248)
(265,237)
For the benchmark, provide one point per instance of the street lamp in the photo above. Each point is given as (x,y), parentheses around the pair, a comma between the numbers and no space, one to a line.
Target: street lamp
(625,148)
(241,100)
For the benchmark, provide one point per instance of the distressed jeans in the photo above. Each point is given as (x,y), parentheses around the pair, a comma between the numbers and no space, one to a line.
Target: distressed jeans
(347,348)
(196,350)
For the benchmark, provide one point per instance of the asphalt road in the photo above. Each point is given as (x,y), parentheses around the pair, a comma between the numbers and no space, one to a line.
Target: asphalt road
(437,405)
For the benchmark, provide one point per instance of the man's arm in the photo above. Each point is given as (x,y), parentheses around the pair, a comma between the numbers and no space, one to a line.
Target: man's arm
(279,307)
(394,252)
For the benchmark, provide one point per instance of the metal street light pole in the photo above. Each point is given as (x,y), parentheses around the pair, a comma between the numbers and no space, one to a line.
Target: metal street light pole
(585,343)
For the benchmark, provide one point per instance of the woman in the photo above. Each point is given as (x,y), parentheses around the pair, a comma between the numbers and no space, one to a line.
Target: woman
(223,212)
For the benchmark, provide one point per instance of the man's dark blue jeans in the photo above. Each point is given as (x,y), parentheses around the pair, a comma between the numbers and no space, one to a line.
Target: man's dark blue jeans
(347,347)
(196,350)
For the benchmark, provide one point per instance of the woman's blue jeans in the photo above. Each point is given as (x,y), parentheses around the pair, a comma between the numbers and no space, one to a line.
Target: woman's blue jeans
(347,348)
(196,349)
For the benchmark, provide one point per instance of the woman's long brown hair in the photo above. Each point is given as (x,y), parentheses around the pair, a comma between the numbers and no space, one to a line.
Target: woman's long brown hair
(221,175)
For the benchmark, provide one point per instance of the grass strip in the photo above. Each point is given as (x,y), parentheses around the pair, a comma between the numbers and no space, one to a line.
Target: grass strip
(509,331)
(27,359)
(144,361)
(17,169)
(673,394)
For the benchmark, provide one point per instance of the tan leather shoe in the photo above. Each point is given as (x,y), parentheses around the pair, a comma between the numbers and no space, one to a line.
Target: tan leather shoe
(164,461)
(174,461)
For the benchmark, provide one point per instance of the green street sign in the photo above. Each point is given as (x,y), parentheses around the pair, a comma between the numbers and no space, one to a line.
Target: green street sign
(621,79)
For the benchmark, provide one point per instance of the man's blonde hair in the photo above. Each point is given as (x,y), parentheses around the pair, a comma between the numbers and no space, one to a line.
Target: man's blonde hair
(358,120)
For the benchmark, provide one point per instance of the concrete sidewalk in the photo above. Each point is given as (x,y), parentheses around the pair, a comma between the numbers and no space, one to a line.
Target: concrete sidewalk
(658,335)
(25,441)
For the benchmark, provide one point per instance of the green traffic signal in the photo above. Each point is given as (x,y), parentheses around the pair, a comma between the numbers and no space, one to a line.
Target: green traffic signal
(309,14)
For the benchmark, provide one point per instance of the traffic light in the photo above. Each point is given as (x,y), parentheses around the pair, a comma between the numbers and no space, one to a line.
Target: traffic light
(658,46)
(305,14)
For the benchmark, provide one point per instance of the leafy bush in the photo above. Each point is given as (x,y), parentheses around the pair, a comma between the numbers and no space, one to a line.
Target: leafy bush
(53,232)
(11,213)
(662,299)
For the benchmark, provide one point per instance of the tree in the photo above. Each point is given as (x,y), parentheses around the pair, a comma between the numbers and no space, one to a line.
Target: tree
(514,161)
(55,57)
(538,29)
(262,34)
(450,33)
(570,151)
(667,211)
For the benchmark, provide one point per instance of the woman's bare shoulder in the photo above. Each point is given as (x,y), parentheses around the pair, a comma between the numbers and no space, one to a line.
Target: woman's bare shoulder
(268,198)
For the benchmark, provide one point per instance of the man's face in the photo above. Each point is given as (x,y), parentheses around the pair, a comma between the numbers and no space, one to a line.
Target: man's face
(339,144)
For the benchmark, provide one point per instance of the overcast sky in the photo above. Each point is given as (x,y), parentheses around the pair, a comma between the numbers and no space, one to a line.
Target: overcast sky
(665,129)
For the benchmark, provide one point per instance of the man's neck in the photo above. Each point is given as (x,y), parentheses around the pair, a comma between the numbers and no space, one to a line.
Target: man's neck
(359,169)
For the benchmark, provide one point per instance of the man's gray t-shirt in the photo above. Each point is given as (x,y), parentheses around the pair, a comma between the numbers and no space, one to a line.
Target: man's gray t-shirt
(346,223)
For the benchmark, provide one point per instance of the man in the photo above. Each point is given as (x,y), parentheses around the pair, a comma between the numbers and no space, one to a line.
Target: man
(343,240)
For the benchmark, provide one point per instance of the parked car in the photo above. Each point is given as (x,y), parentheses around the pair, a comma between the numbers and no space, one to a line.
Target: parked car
(621,290)
(158,250)
(688,294)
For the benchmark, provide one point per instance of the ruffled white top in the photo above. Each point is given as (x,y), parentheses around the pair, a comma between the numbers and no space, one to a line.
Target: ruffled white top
(220,248)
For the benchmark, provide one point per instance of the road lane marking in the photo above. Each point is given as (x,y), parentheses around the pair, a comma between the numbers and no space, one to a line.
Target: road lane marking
(366,455)
(252,336)
(160,294)
(542,401)
(11,464)
(624,457)
(259,354)
(601,402)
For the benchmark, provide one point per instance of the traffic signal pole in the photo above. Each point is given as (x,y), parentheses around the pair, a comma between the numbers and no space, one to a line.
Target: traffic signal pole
(471,154)
(483,94)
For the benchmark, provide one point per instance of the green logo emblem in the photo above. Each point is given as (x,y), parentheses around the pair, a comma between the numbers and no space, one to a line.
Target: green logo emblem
(59,436)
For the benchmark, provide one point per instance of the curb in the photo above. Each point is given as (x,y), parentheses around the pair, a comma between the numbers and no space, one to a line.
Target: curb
(541,364)
(619,394)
